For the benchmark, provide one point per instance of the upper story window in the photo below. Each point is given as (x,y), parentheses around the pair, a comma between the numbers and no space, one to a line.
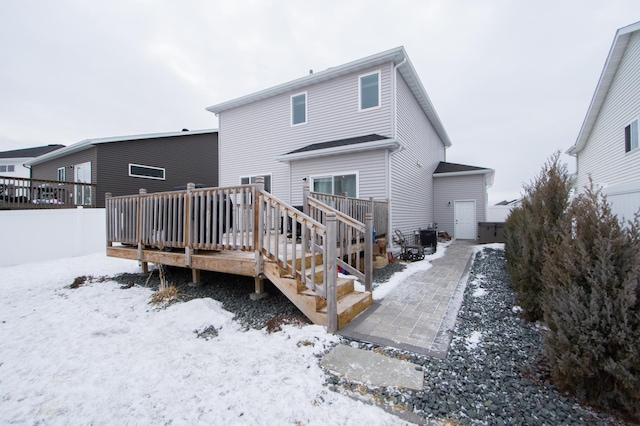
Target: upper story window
(369,88)
(147,172)
(7,168)
(631,136)
(246,180)
(62,174)
(299,109)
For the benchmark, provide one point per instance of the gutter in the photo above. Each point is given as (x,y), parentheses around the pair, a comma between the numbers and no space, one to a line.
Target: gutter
(395,137)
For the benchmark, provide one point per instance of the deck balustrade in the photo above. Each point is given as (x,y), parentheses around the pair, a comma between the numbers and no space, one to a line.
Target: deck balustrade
(22,193)
(310,247)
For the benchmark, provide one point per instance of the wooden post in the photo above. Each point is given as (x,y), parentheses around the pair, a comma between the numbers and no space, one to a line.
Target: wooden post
(145,265)
(108,213)
(259,292)
(195,277)
(332,272)
(188,217)
(305,198)
(368,251)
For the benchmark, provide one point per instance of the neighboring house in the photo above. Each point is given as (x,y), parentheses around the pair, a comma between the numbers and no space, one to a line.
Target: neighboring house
(607,148)
(124,164)
(364,129)
(461,199)
(12,163)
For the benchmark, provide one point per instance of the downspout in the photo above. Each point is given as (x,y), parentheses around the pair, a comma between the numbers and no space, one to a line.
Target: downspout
(395,136)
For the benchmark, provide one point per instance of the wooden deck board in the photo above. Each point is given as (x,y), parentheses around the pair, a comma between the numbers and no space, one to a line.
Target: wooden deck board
(228,261)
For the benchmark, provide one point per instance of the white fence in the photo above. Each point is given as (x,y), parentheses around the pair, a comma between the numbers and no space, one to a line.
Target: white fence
(498,213)
(38,235)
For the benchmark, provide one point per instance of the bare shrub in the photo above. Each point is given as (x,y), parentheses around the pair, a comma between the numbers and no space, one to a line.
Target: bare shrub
(165,296)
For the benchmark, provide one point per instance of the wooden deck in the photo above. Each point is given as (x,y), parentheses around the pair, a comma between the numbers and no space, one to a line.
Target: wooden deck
(246,231)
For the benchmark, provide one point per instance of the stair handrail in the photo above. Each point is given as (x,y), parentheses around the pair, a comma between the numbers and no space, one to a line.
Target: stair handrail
(350,234)
(280,226)
(358,208)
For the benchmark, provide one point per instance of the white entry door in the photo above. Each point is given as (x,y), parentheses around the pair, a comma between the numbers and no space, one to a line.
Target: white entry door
(465,220)
(82,174)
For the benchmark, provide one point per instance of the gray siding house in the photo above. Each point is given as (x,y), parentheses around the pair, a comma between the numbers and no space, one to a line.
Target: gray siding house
(124,164)
(366,128)
(460,199)
(607,148)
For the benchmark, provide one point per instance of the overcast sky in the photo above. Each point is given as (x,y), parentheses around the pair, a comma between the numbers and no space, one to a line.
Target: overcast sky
(511,80)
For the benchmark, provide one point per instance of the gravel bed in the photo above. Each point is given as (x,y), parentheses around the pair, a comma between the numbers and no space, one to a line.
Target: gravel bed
(233,292)
(495,372)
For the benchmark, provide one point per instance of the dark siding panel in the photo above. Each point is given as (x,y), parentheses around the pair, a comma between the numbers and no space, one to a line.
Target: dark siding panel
(49,169)
(188,158)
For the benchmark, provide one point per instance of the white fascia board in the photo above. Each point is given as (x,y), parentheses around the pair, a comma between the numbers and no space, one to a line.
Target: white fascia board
(87,143)
(467,173)
(12,160)
(618,47)
(391,144)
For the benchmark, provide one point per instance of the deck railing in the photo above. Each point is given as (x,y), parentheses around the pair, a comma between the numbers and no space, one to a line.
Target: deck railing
(22,193)
(357,208)
(231,219)
(290,237)
(204,219)
(353,239)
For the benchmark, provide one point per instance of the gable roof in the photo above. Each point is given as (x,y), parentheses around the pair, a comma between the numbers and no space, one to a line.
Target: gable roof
(30,152)
(397,55)
(88,143)
(620,42)
(339,146)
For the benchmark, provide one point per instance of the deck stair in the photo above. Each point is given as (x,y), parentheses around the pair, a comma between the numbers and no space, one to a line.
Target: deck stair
(350,302)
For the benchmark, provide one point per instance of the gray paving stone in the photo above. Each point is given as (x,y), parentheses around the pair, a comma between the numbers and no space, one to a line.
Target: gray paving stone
(372,368)
(429,297)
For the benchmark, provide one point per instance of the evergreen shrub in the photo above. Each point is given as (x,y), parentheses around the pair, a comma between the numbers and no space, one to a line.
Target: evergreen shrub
(531,228)
(592,305)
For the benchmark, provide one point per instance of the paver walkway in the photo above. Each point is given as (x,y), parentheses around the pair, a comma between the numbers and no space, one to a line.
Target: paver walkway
(419,314)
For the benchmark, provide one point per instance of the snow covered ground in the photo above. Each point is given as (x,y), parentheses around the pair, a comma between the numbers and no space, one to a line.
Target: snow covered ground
(101,354)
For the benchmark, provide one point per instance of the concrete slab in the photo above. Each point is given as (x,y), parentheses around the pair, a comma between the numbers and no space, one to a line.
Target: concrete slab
(373,369)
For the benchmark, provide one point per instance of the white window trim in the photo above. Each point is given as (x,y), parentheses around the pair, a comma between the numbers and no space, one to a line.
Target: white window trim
(332,175)
(254,176)
(360,77)
(631,149)
(306,109)
(64,174)
(164,172)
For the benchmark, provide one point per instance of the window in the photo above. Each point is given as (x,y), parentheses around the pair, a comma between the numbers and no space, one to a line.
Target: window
(246,180)
(631,136)
(7,168)
(369,87)
(340,184)
(299,109)
(3,169)
(62,174)
(147,172)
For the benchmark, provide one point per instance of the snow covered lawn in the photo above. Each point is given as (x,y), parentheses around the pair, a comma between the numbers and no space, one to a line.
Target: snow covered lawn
(101,354)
